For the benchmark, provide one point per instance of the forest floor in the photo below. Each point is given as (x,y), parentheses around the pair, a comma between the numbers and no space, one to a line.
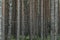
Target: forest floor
(27,38)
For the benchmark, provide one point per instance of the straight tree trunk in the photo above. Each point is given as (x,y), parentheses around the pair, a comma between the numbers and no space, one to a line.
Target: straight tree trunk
(3,19)
(59,19)
(52,20)
(42,20)
(10,20)
(36,15)
(31,23)
(18,19)
(0,19)
(56,19)
(39,17)
(23,25)
(34,19)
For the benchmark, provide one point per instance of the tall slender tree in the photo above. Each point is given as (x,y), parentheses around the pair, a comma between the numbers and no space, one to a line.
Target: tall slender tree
(42,20)
(34,18)
(23,25)
(47,18)
(0,19)
(38,17)
(31,15)
(3,21)
(56,19)
(59,18)
(10,20)
(18,19)
(52,20)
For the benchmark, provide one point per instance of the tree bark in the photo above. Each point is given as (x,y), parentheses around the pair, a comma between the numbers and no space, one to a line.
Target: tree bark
(56,19)
(23,25)
(3,19)
(42,20)
(31,15)
(18,19)
(52,20)
(10,20)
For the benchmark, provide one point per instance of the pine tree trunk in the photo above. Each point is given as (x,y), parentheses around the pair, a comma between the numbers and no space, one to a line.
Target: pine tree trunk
(56,19)
(52,20)
(3,19)
(10,20)
(34,20)
(31,15)
(42,20)
(0,19)
(18,19)
(23,25)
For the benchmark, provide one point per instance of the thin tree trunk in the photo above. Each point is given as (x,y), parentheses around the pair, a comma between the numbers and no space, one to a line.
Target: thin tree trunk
(10,20)
(39,18)
(31,15)
(56,19)
(3,16)
(18,19)
(42,20)
(37,13)
(59,19)
(37,4)
(34,20)
(47,14)
(23,25)
(0,20)
(52,20)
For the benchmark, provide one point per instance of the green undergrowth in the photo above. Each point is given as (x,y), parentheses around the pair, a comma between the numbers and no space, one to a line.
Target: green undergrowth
(37,38)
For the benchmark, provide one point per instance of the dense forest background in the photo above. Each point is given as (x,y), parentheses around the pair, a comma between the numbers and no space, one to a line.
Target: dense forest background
(33,18)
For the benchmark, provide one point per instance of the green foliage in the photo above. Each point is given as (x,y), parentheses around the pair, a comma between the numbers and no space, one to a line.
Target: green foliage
(12,38)
(58,38)
(27,38)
